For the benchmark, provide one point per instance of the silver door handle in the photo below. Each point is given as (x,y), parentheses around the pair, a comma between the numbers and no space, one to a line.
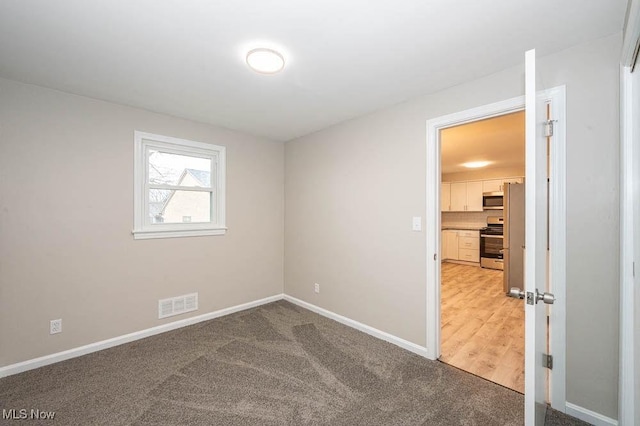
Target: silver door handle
(516,293)
(547,298)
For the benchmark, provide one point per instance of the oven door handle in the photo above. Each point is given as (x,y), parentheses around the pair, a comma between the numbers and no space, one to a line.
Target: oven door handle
(492,236)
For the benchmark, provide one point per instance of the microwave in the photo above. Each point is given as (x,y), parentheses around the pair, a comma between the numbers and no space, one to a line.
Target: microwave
(493,201)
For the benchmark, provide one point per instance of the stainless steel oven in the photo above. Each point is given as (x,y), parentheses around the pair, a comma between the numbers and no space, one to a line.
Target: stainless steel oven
(491,244)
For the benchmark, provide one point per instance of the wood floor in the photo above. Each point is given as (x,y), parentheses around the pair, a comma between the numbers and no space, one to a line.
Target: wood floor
(482,328)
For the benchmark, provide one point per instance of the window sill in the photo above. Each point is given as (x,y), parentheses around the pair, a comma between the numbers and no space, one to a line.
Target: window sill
(146,235)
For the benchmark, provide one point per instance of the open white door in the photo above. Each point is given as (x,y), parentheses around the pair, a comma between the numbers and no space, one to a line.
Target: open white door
(536,227)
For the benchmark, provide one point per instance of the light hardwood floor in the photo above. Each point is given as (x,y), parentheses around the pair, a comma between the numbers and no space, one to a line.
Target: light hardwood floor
(482,328)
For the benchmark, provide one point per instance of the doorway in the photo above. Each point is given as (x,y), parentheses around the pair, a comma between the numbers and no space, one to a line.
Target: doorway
(557,239)
(482,167)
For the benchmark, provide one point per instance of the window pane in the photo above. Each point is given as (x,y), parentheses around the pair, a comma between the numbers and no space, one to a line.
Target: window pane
(179,206)
(181,170)
(157,199)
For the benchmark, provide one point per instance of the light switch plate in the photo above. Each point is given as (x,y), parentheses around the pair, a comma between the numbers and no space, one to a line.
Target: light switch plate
(417,223)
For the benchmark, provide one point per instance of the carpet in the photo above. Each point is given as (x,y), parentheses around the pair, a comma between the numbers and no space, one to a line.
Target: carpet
(277,364)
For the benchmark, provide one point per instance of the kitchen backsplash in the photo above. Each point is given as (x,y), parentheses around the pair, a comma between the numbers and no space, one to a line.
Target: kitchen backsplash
(479,218)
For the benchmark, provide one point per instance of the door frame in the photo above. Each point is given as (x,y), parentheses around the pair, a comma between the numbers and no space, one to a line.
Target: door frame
(628,231)
(629,372)
(557,221)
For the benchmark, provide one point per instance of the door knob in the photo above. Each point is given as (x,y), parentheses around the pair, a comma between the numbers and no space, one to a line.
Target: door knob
(516,293)
(547,298)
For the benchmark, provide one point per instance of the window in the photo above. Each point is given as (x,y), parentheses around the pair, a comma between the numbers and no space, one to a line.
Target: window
(179,187)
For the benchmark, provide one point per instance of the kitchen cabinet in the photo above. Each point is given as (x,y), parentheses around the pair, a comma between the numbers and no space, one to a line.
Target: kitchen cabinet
(469,255)
(468,243)
(512,180)
(494,185)
(497,185)
(469,246)
(449,245)
(466,196)
(458,196)
(474,196)
(445,197)
(460,245)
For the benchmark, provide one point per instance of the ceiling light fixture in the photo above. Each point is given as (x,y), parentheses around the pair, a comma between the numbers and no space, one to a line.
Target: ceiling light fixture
(476,164)
(265,61)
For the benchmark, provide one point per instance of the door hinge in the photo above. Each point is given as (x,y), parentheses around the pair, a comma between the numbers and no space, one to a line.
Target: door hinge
(547,361)
(548,128)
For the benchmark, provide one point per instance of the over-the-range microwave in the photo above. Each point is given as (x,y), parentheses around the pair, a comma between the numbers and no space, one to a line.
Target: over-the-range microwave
(493,201)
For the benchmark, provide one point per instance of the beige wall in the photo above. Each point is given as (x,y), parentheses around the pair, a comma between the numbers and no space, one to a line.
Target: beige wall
(352,189)
(66,215)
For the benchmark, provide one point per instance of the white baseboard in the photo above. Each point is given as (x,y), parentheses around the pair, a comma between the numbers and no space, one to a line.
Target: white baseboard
(405,344)
(109,343)
(592,417)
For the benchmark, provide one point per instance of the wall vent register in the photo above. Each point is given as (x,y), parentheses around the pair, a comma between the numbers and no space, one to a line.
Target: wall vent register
(177,305)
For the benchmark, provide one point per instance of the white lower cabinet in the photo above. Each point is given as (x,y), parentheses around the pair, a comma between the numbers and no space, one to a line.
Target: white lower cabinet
(460,245)
(469,255)
(468,243)
(449,245)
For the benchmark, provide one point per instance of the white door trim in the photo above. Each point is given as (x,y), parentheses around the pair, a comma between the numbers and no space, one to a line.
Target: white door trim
(557,217)
(626,394)
(433,225)
(628,398)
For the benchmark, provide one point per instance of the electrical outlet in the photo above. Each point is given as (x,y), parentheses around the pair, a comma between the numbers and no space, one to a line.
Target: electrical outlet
(55,326)
(316,287)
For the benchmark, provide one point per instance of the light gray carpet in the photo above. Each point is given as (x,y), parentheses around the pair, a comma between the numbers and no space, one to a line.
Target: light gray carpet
(273,365)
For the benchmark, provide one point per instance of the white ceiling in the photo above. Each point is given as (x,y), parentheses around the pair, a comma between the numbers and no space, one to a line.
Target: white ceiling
(345,58)
(499,140)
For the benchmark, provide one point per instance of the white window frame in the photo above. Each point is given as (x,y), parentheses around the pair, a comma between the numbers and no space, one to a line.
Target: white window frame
(143,228)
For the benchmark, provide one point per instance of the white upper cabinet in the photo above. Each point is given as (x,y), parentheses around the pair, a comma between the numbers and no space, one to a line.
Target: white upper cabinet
(512,180)
(497,185)
(494,185)
(445,197)
(474,196)
(458,196)
(466,197)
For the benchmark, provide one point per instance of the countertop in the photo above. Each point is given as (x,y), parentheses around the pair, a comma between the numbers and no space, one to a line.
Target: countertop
(464,226)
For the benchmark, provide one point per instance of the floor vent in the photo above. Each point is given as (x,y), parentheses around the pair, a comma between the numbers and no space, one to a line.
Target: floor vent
(177,305)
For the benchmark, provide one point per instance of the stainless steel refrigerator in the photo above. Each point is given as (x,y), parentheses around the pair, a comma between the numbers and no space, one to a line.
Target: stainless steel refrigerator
(513,243)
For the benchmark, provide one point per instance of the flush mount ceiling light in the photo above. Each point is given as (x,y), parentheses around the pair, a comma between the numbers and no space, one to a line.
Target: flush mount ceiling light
(265,61)
(476,164)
